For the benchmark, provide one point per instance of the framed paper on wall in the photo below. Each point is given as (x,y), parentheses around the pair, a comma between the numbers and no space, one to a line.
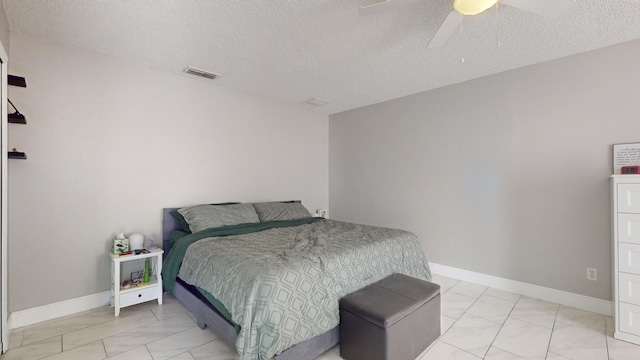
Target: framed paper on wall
(625,155)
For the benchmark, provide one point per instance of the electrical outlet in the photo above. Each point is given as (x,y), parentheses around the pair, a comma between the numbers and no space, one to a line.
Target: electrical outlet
(592,274)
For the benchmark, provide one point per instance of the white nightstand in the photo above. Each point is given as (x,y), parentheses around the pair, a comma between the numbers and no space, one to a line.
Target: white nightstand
(121,297)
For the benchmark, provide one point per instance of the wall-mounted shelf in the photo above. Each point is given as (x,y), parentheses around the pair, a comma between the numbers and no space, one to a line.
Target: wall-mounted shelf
(16,117)
(17,155)
(16,81)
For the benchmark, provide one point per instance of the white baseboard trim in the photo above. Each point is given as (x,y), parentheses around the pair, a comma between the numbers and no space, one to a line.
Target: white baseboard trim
(68,307)
(63,308)
(578,301)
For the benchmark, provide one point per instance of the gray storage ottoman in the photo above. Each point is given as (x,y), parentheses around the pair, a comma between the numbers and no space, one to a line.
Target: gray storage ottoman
(396,318)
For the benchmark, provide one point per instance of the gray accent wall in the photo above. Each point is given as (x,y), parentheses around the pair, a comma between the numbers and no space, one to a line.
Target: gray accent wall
(505,175)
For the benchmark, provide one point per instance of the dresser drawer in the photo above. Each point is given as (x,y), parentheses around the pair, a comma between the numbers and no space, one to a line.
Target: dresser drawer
(629,228)
(629,290)
(629,198)
(139,295)
(629,258)
(629,318)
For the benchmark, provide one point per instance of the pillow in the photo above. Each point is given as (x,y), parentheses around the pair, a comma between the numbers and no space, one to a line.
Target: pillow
(279,211)
(184,225)
(202,217)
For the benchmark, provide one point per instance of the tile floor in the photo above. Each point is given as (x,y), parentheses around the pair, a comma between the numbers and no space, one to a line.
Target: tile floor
(477,323)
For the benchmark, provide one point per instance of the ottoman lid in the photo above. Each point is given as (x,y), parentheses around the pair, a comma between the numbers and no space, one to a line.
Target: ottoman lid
(417,289)
(389,300)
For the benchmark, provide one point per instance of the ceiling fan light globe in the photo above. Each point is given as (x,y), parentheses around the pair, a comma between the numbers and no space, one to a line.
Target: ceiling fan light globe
(472,7)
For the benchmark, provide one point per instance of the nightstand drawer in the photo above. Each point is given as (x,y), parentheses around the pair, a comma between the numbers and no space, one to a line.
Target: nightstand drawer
(139,295)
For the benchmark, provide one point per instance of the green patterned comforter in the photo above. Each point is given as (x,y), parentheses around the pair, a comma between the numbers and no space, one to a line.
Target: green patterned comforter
(282,285)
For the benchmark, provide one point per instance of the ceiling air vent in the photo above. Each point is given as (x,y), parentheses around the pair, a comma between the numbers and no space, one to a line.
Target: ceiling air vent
(315,102)
(202,73)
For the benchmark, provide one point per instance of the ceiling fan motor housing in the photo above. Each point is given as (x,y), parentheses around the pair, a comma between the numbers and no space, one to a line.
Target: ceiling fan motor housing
(472,7)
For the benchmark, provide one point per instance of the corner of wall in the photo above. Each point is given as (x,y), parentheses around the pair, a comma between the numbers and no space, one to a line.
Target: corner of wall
(4,29)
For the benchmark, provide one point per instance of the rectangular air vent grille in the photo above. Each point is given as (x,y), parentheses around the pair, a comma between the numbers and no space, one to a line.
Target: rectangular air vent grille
(315,102)
(202,73)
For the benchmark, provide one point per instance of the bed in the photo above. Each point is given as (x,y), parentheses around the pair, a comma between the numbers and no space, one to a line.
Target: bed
(270,289)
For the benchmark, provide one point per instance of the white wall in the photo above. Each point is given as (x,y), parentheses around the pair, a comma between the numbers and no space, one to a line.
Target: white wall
(109,144)
(505,175)
(4,28)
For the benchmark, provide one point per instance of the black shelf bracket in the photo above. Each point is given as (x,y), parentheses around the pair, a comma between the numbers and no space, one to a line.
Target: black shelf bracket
(16,117)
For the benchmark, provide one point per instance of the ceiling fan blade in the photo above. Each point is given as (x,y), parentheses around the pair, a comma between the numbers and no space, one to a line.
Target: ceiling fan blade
(548,8)
(383,5)
(448,27)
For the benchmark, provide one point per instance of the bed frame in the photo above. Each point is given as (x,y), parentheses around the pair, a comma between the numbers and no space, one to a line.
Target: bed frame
(207,315)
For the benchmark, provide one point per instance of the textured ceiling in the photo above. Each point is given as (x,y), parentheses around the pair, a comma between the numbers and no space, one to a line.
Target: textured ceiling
(294,50)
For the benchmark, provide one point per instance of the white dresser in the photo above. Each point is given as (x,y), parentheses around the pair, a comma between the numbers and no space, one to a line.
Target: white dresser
(626,257)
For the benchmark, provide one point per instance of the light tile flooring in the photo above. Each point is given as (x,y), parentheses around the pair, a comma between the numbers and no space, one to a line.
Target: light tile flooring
(477,323)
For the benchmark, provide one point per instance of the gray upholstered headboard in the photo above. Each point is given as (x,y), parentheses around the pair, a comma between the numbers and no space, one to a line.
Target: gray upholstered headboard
(169,223)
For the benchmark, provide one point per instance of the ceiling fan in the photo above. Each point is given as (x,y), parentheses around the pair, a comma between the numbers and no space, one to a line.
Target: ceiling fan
(548,8)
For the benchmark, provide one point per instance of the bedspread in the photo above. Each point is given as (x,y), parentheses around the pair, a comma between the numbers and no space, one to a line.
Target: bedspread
(282,285)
